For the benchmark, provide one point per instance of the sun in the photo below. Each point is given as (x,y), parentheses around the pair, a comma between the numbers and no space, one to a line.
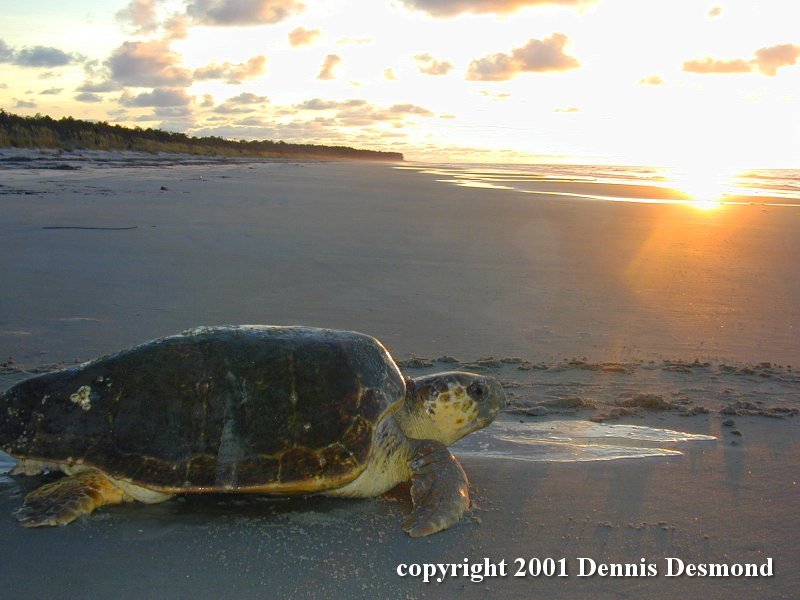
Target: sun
(705,184)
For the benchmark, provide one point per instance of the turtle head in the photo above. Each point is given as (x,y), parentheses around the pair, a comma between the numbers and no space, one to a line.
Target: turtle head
(447,406)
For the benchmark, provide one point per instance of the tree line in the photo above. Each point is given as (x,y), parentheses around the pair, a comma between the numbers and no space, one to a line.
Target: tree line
(67,133)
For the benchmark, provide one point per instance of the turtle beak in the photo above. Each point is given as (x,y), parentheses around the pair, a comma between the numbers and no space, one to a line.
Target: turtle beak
(494,399)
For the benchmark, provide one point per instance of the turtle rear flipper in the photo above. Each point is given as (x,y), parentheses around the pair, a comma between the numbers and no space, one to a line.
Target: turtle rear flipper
(439,489)
(65,500)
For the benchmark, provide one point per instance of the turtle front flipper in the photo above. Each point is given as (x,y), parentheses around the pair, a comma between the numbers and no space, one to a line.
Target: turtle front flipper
(439,489)
(65,500)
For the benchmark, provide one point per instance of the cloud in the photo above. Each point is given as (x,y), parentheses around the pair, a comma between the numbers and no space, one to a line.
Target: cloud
(141,14)
(51,92)
(177,27)
(498,96)
(651,80)
(331,61)
(715,12)
(497,67)
(770,59)
(359,113)
(171,112)
(351,41)
(7,53)
(390,74)
(250,121)
(568,109)
(248,98)
(25,104)
(409,109)
(535,56)
(430,66)
(229,109)
(88,97)
(450,8)
(159,97)
(37,56)
(233,73)
(243,103)
(242,12)
(43,56)
(319,104)
(303,37)
(767,61)
(711,65)
(147,64)
(545,55)
(100,87)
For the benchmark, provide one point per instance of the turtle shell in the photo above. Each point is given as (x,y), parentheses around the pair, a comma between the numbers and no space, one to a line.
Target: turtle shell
(250,408)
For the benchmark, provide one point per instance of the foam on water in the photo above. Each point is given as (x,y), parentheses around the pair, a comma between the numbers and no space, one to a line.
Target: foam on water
(570,441)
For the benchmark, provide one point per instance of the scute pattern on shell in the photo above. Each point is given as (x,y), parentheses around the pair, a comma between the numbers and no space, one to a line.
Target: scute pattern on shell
(215,408)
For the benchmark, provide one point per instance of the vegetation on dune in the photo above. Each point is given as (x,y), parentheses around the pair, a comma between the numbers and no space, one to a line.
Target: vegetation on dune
(74,134)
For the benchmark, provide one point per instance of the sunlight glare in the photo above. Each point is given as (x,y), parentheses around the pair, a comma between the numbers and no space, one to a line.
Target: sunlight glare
(705,184)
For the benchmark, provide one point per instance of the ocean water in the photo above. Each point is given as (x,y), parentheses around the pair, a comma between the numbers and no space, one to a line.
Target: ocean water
(703,186)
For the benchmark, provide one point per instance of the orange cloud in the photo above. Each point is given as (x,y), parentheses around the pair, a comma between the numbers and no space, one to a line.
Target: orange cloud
(147,64)
(767,60)
(652,80)
(177,27)
(449,8)
(303,37)
(331,61)
(535,56)
(430,66)
(141,14)
(359,112)
(711,65)
(770,59)
(233,73)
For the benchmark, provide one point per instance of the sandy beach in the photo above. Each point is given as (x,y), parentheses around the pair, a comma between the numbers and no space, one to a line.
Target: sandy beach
(661,316)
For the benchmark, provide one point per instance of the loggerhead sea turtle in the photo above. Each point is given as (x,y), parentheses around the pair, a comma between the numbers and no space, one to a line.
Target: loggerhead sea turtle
(245,409)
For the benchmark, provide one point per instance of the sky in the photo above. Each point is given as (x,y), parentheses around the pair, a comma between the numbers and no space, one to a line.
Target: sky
(644,82)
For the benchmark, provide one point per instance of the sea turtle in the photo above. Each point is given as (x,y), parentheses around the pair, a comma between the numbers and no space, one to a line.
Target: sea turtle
(245,409)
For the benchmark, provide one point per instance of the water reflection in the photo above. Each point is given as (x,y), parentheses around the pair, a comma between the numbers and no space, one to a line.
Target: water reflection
(704,185)
(571,441)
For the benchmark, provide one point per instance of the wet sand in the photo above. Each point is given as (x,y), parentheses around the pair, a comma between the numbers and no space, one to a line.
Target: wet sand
(629,313)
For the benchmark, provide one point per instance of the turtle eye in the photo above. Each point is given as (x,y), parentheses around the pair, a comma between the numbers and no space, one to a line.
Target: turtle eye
(478,389)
